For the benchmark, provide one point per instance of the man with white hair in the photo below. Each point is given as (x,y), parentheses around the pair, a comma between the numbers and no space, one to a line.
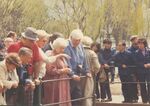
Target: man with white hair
(78,64)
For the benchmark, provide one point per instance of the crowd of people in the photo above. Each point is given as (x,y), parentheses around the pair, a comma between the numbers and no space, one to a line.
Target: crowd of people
(32,61)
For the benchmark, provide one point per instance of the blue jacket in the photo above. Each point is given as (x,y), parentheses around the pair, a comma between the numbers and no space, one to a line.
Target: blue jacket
(78,57)
(140,60)
(105,56)
(125,58)
(22,73)
(132,49)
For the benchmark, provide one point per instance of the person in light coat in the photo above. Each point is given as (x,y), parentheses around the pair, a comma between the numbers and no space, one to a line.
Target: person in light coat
(94,65)
(8,76)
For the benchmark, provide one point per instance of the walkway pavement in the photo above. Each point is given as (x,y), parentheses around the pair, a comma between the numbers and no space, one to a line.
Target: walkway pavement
(119,99)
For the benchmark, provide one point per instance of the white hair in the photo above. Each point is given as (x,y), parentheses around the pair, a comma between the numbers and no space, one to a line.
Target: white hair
(76,34)
(87,41)
(42,34)
(8,40)
(59,42)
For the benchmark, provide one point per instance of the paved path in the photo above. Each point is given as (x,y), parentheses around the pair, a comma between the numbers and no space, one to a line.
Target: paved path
(119,99)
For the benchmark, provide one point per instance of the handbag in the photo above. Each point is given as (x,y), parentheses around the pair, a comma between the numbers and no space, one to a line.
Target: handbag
(102,75)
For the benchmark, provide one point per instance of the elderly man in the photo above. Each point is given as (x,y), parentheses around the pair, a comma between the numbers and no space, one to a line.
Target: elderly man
(8,75)
(78,64)
(28,40)
(26,85)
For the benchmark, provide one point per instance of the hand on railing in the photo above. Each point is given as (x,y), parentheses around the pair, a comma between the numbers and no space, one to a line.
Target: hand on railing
(15,84)
(37,82)
(147,65)
(29,84)
(106,66)
(89,75)
(76,77)
(124,66)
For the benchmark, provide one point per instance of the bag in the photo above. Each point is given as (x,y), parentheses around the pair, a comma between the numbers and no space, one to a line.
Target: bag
(102,75)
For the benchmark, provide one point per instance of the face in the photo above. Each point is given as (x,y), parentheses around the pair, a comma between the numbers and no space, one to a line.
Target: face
(28,43)
(26,59)
(10,67)
(107,46)
(120,47)
(41,42)
(14,37)
(141,46)
(94,48)
(8,43)
(135,42)
(60,50)
(75,42)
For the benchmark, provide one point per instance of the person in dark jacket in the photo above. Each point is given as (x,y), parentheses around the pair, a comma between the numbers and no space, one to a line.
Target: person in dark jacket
(123,60)
(142,60)
(104,58)
(133,49)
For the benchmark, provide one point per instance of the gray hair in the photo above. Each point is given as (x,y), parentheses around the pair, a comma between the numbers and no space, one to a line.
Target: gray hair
(76,34)
(24,51)
(59,42)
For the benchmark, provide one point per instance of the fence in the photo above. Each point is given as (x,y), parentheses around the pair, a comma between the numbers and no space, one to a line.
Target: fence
(79,99)
(83,98)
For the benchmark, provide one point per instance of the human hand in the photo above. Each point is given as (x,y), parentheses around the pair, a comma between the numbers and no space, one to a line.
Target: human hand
(15,84)
(146,65)
(106,66)
(30,86)
(124,66)
(76,77)
(89,75)
(37,82)
(65,70)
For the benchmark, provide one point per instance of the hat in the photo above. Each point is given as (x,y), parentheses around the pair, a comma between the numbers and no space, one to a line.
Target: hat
(30,33)
(87,41)
(133,37)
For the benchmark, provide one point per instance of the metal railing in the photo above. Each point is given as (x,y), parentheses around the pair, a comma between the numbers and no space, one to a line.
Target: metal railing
(74,100)
(93,97)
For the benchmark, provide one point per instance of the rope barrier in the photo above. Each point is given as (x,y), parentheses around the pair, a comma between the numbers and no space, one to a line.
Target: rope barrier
(126,82)
(54,80)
